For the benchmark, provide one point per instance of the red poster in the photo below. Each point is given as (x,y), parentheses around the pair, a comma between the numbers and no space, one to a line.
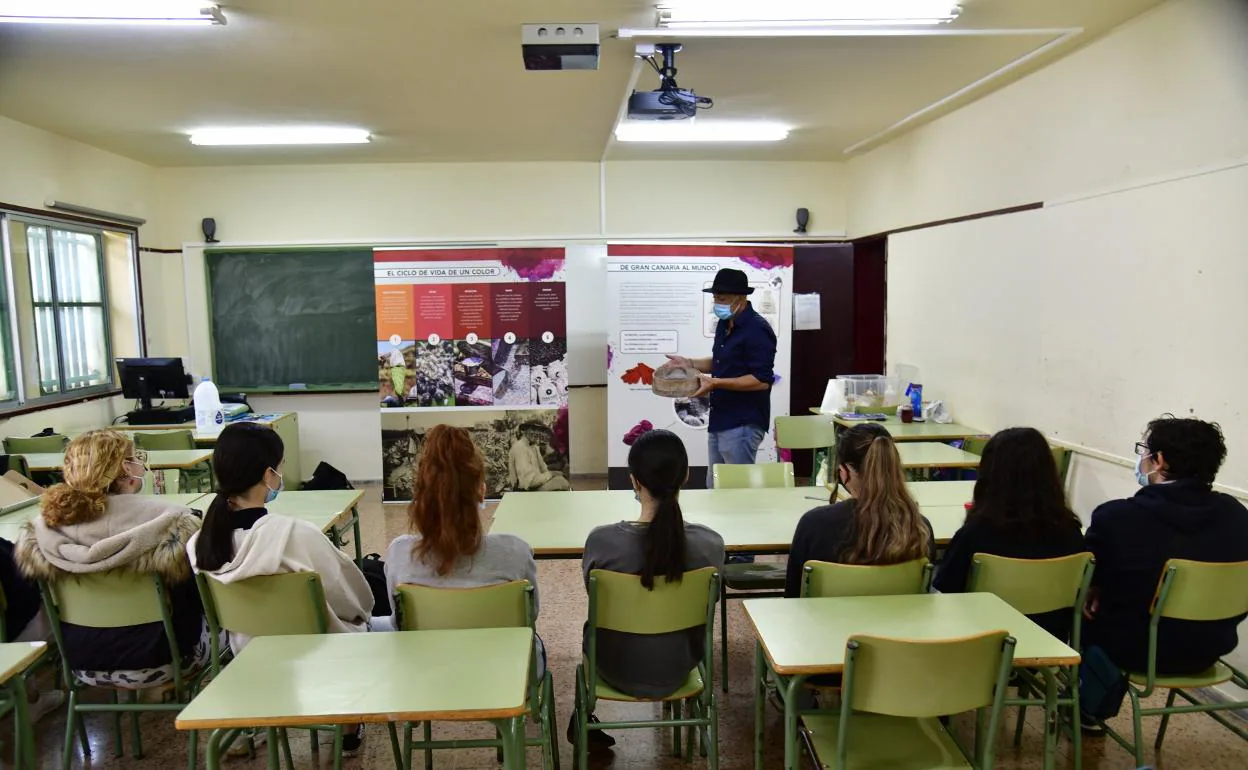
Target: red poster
(548,316)
(433,311)
(511,309)
(472,310)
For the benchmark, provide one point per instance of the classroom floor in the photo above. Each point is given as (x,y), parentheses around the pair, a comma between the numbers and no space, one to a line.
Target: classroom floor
(1193,741)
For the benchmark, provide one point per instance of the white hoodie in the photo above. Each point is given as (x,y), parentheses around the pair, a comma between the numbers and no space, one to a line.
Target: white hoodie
(276,545)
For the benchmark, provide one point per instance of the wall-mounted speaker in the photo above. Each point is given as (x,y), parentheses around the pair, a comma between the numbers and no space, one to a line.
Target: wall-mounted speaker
(209,226)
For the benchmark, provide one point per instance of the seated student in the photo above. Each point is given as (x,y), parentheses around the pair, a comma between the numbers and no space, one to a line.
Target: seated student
(240,539)
(447,547)
(1176,515)
(97,522)
(879,525)
(659,544)
(1019,511)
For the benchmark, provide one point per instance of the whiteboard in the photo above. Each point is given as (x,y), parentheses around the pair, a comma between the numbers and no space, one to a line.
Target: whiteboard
(1086,319)
(585,274)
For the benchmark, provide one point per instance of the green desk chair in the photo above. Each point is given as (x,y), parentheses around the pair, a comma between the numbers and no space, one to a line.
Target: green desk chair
(272,605)
(752,580)
(24,445)
(1188,590)
(814,432)
(1035,587)
(825,578)
(886,721)
(116,599)
(195,479)
(17,660)
(619,602)
(505,605)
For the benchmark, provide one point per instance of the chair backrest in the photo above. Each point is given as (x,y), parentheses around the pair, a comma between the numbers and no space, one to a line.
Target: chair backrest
(619,602)
(754,476)
(1033,586)
(109,599)
(926,678)
(813,432)
(268,605)
(20,445)
(165,440)
(1196,590)
(425,608)
(824,579)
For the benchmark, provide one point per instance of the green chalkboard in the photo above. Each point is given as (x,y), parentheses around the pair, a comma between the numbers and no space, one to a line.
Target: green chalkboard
(293,319)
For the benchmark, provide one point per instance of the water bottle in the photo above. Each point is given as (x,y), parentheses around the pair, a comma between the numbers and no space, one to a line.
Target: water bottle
(208,415)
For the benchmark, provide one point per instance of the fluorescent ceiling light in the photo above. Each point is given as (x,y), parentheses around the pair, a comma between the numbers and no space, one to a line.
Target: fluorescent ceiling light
(788,14)
(694,131)
(111,12)
(278,135)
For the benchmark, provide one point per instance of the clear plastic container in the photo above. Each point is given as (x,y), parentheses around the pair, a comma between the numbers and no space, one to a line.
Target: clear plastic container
(872,392)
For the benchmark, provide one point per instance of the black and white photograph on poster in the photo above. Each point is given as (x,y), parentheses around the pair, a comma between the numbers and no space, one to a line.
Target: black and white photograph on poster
(549,371)
(523,449)
(512,372)
(694,412)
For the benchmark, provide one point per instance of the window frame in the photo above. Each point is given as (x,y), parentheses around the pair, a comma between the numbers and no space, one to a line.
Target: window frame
(17,359)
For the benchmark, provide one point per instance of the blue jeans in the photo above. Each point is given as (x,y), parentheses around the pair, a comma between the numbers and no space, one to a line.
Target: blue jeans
(735,446)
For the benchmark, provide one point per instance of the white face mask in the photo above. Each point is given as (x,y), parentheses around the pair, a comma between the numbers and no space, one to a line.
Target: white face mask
(142,477)
(1141,477)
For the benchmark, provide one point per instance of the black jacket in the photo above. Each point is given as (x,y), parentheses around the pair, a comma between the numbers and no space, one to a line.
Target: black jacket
(979,536)
(1132,540)
(825,534)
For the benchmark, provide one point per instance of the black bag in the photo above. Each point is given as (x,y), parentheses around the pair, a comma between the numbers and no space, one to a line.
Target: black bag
(327,476)
(1102,686)
(374,570)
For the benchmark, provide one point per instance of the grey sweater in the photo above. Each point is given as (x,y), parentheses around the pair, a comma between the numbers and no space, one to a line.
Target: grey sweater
(501,558)
(640,665)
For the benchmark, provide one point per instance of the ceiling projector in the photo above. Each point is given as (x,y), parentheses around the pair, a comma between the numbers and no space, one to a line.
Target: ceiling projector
(670,101)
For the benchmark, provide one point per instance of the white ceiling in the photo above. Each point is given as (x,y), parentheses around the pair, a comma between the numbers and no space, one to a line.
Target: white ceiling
(444,81)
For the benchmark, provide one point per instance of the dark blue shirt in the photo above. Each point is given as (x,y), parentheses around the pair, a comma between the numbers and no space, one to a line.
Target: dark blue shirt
(744,345)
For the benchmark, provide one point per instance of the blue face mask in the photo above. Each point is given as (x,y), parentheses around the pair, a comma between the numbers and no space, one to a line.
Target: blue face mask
(722,312)
(273,493)
(1140,476)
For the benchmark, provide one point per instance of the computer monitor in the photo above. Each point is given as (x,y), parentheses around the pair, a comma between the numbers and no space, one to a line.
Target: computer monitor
(145,379)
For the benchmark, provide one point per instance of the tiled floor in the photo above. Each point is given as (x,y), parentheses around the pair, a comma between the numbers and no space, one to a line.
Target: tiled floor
(1193,741)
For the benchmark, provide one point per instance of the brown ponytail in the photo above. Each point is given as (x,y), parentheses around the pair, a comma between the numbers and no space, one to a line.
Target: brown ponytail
(888,528)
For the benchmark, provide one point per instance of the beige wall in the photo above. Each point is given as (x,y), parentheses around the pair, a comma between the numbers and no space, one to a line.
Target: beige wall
(1163,93)
(1081,318)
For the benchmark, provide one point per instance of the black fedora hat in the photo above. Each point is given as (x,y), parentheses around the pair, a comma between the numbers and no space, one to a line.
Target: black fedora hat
(729,281)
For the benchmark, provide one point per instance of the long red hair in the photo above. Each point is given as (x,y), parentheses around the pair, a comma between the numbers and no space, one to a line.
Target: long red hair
(447,490)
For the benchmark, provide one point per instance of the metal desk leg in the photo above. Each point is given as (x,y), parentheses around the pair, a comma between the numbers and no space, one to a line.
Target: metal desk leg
(1051,719)
(214,748)
(760,702)
(355,532)
(24,752)
(790,691)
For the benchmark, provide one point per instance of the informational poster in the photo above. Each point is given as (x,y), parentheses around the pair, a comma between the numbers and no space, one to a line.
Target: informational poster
(657,308)
(475,338)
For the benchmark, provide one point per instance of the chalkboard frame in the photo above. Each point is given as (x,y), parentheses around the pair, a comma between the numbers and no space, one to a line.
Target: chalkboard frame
(314,388)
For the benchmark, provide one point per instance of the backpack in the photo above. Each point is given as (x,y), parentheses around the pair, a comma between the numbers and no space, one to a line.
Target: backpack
(327,476)
(374,570)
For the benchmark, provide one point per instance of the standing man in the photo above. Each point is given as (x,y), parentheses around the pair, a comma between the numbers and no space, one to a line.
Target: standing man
(740,373)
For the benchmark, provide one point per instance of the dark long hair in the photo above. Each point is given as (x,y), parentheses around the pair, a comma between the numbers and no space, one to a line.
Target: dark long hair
(1018,489)
(658,462)
(888,528)
(446,493)
(243,453)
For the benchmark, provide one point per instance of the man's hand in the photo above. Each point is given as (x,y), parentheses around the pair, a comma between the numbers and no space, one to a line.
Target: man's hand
(680,360)
(705,386)
(1093,604)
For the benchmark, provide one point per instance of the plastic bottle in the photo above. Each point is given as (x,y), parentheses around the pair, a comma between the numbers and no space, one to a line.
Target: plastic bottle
(208,415)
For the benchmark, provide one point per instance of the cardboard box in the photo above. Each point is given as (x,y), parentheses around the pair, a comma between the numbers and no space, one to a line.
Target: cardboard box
(17,491)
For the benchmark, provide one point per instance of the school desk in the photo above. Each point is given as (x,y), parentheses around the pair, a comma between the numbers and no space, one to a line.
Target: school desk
(15,659)
(913,431)
(333,511)
(286,424)
(556,524)
(406,676)
(918,455)
(800,638)
(11,522)
(167,459)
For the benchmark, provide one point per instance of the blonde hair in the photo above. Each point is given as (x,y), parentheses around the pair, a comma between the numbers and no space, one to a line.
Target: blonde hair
(888,527)
(93,464)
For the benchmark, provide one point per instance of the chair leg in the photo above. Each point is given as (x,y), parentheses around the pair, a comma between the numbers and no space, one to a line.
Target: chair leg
(136,736)
(272,741)
(119,748)
(677,713)
(713,744)
(550,728)
(691,710)
(581,719)
(392,728)
(192,750)
(315,739)
(337,747)
(285,739)
(71,719)
(1138,727)
(1022,713)
(1165,719)
(723,635)
(426,729)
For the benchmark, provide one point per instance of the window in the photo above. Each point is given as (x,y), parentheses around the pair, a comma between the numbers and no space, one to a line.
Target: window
(65,286)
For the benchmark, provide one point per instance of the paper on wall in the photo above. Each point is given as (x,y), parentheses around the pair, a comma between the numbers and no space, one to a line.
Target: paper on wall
(806,312)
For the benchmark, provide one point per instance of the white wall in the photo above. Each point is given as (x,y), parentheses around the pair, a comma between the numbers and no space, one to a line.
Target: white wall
(466,202)
(1121,301)
(36,166)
